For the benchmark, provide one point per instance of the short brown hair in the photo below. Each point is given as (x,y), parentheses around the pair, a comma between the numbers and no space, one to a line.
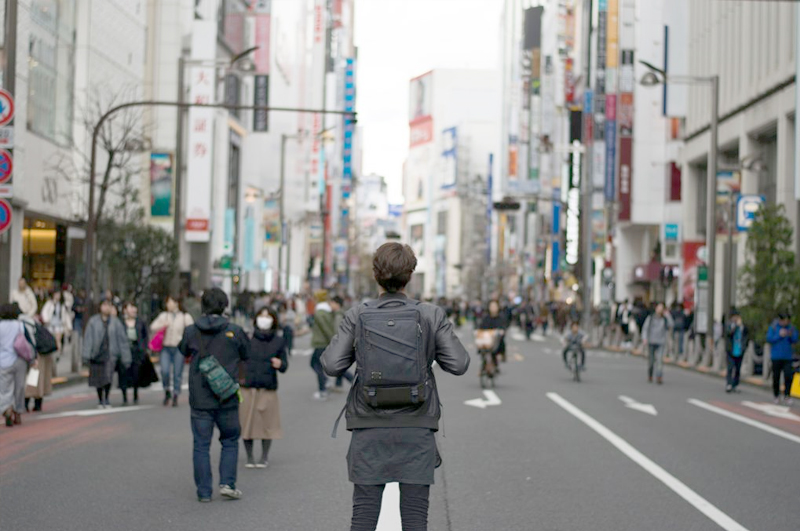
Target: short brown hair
(393,265)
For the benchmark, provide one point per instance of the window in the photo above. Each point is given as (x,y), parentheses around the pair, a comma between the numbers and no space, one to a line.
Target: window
(233,93)
(51,69)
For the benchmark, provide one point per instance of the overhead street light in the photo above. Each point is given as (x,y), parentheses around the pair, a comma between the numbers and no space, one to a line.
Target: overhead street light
(657,76)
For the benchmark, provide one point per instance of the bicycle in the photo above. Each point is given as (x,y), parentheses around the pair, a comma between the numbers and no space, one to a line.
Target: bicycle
(487,342)
(573,359)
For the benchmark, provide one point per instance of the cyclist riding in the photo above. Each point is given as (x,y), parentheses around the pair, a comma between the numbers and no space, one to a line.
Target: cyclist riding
(496,321)
(575,340)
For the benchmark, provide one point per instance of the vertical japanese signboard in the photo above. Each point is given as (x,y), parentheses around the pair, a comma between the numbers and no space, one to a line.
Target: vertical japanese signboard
(201,134)
(261,99)
(349,126)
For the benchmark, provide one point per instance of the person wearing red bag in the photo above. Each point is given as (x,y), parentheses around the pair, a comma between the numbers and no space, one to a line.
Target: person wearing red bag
(173,321)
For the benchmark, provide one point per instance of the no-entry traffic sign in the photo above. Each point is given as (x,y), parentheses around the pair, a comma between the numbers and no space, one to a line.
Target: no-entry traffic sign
(5,216)
(6,166)
(6,107)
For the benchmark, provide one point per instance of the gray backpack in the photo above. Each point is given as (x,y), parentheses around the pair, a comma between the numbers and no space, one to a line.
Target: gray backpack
(391,354)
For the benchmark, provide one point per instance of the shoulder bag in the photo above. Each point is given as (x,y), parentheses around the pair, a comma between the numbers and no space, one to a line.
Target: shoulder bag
(221,383)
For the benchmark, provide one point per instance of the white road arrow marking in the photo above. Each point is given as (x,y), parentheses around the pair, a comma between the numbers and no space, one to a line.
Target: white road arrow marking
(491,400)
(638,406)
(91,412)
(782,412)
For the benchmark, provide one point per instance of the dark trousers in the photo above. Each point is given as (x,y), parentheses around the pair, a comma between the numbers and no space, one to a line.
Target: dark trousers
(785,367)
(346,376)
(288,338)
(316,364)
(734,370)
(203,422)
(413,507)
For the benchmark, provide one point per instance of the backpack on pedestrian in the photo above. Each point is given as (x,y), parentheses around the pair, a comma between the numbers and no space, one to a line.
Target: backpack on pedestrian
(391,354)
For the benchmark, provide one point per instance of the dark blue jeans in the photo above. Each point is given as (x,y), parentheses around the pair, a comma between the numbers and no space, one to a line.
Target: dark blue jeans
(203,422)
(734,370)
(316,364)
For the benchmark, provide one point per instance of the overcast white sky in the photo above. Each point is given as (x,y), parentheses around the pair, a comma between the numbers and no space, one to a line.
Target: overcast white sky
(401,39)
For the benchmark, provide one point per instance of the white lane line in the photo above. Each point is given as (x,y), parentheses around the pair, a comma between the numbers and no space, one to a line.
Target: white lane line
(677,486)
(390,509)
(91,412)
(745,420)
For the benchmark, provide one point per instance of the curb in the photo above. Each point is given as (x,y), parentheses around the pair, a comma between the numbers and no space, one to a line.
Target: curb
(750,380)
(60,382)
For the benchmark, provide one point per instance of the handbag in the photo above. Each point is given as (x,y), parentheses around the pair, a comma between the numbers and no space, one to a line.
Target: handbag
(45,342)
(147,373)
(32,380)
(23,349)
(218,379)
(157,341)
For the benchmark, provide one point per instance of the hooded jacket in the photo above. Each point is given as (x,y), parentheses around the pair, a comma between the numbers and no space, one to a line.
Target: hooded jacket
(258,370)
(781,346)
(443,347)
(225,341)
(324,327)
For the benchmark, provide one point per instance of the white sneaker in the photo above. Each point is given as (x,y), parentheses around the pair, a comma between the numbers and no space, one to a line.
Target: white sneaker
(788,401)
(230,493)
(320,396)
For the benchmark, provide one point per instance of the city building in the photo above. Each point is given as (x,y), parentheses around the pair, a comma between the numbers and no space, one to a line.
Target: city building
(454,128)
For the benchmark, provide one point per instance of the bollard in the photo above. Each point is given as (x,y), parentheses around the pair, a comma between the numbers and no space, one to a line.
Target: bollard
(720,357)
(766,365)
(748,363)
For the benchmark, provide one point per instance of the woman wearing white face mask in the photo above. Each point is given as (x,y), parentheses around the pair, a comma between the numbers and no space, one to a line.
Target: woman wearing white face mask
(259,414)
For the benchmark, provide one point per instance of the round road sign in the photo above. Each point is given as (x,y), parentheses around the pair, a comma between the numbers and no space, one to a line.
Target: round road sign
(6,107)
(6,166)
(5,216)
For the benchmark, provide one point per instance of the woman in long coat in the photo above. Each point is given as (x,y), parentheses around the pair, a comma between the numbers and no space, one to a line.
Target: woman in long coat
(259,413)
(104,345)
(136,332)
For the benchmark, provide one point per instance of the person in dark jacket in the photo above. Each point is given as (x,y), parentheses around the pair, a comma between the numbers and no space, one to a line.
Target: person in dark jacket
(496,321)
(259,413)
(782,335)
(105,346)
(737,336)
(213,335)
(136,332)
(394,445)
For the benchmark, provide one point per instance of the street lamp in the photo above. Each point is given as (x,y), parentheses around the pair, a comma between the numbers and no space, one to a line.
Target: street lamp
(657,76)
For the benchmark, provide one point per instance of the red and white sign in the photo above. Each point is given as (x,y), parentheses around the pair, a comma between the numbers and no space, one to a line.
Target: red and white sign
(421,131)
(6,166)
(625,177)
(201,135)
(6,107)
(5,216)
(691,259)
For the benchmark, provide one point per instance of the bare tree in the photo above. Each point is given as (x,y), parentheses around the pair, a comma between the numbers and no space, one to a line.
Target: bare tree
(121,141)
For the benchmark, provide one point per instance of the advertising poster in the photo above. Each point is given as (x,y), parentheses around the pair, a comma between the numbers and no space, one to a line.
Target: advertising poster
(272,222)
(449,158)
(691,261)
(420,121)
(160,185)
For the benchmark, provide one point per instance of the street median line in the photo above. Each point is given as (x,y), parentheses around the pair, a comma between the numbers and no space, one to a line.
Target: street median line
(677,486)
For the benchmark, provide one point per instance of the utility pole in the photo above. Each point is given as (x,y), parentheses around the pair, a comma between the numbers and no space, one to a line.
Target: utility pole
(323,196)
(179,132)
(586,182)
(711,218)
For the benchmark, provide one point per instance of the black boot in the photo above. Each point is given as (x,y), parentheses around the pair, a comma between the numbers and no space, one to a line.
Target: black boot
(37,404)
(167,396)
(27,404)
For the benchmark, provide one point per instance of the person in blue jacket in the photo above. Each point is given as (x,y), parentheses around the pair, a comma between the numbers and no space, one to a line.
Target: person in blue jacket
(782,335)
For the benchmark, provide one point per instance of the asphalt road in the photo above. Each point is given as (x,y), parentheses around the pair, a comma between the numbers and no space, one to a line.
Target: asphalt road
(554,455)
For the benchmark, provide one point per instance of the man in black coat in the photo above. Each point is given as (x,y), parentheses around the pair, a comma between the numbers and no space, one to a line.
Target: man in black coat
(213,335)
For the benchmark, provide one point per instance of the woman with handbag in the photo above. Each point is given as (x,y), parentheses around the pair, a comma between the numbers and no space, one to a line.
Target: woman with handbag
(136,332)
(170,325)
(57,317)
(14,362)
(259,412)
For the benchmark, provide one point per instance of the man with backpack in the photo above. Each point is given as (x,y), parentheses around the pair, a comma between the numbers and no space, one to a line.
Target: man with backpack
(655,331)
(216,348)
(393,408)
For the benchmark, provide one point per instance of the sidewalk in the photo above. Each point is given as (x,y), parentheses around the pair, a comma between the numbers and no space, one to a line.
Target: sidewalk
(757,381)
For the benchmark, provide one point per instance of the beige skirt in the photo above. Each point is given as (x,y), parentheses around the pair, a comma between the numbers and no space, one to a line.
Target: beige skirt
(45,387)
(259,414)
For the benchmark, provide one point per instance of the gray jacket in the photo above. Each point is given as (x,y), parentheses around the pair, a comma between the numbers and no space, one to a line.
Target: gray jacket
(443,347)
(656,330)
(118,345)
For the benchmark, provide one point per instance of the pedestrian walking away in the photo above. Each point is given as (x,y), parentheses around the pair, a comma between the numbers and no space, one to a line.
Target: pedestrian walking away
(259,412)
(171,324)
(737,337)
(655,331)
(782,335)
(105,345)
(322,331)
(13,363)
(136,332)
(393,409)
(215,348)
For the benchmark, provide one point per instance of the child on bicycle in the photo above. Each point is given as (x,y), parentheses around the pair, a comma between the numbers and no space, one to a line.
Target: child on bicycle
(575,339)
